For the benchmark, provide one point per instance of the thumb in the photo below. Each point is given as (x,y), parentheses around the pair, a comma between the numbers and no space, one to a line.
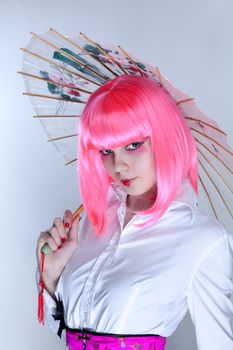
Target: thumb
(73,233)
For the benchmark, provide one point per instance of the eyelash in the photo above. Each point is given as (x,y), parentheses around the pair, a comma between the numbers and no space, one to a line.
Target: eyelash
(138,144)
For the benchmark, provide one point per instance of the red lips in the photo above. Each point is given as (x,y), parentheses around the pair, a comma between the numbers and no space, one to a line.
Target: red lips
(127,182)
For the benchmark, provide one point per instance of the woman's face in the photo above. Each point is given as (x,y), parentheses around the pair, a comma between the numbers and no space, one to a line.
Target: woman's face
(131,166)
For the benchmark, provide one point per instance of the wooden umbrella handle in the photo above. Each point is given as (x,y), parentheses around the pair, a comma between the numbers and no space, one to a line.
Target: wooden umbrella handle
(45,249)
(77,211)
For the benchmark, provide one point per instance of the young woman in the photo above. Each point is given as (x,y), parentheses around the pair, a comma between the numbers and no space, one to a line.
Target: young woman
(143,254)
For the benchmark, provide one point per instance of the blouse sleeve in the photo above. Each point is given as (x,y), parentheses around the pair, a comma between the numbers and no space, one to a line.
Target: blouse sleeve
(209,296)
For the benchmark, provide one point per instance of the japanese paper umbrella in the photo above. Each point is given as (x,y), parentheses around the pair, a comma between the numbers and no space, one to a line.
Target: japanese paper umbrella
(60,73)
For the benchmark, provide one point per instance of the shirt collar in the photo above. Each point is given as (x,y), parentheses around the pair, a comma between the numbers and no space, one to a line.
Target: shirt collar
(184,196)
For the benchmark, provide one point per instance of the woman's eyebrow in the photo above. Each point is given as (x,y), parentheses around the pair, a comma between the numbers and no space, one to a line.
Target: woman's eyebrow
(139,139)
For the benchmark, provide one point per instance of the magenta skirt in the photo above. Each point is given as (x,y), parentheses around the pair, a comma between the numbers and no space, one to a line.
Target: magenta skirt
(89,340)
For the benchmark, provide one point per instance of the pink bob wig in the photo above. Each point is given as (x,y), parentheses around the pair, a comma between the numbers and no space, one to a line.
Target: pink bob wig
(124,110)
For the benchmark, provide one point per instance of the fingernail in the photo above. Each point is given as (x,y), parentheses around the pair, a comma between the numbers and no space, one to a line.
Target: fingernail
(59,246)
(63,239)
(67,224)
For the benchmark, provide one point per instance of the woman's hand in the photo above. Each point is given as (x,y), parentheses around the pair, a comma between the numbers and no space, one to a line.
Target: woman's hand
(62,239)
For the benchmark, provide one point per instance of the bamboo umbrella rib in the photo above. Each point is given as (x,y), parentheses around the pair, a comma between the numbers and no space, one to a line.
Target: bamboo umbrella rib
(59,66)
(209,198)
(127,55)
(62,137)
(159,76)
(72,58)
(54,82)
(207,124)
(71,161)
(56,116)
(103,52)
(213,154)
(216,188)
(219,174)
(156,75)
(213,140)
(51,97)
(185,101)
(83,50)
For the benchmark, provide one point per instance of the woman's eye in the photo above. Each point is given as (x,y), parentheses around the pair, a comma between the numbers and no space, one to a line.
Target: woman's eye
(131,147)
(105,152)
(134,145)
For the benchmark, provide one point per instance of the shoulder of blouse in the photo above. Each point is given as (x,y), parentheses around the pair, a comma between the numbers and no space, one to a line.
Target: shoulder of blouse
(217,253)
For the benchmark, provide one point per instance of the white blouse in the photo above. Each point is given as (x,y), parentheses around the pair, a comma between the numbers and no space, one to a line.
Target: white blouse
(144,280)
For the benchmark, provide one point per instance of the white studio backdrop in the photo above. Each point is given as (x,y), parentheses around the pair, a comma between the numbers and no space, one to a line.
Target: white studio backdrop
(189,40)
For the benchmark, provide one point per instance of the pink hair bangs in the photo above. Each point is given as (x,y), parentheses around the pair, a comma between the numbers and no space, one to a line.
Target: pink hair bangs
(109,119)
(122,111)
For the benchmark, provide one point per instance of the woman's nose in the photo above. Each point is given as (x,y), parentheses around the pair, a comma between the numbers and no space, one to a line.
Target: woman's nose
(120,163)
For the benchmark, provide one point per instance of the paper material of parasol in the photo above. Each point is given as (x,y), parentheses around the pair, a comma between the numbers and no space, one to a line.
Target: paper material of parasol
(61,72)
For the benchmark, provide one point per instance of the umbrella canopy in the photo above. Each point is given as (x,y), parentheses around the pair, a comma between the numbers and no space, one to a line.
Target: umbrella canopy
(60,73)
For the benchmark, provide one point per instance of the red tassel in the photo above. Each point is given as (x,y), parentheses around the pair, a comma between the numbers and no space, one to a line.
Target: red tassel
(41,296)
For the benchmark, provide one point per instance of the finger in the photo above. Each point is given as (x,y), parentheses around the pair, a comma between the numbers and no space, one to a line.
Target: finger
(73,234)
(67,220)
(58,223)
(46,238)
(56,236)
(42,240)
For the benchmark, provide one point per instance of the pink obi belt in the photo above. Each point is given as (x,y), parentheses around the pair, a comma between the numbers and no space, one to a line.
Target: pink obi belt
(85,339)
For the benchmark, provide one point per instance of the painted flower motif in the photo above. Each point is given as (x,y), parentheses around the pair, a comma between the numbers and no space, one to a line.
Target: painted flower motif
(104,59)
(107,347)
(214,147)
(78,62)
(152,346)
(201,125)
(137,346)
(133,69)
(64,93)
(96,346)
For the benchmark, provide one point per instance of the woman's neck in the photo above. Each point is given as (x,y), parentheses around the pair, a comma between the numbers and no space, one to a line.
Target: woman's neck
(142,202)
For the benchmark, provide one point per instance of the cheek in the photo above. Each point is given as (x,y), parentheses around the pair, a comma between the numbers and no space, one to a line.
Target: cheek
(143,155)
(146,164)
(139,156)
(107,164)
(141,150)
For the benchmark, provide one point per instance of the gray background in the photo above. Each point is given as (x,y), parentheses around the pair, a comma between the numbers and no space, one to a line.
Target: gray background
(191,43)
